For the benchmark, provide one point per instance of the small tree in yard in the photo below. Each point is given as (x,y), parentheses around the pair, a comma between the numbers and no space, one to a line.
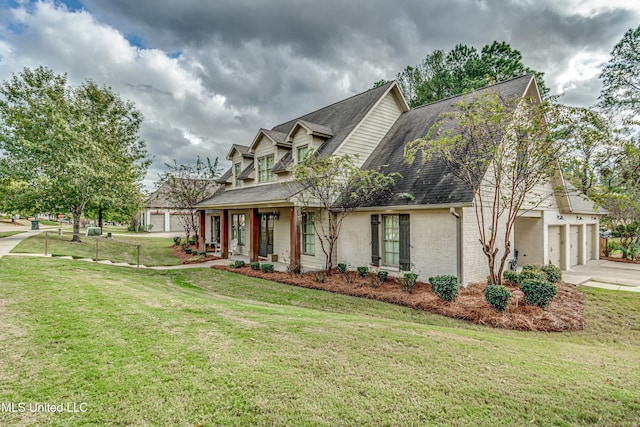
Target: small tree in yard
(501,149)
(186,185)
(336,188)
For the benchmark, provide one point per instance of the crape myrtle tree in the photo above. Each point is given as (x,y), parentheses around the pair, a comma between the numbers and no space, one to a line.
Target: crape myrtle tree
(334,187)
(186,185)
(502,150)
(71,145)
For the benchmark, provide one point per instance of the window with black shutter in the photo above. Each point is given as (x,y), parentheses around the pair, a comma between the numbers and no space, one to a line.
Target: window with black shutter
(375,240)
(405,242)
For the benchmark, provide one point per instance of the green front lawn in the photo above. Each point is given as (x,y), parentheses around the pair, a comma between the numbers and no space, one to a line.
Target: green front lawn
(153,250)
(9,233)
(190,347)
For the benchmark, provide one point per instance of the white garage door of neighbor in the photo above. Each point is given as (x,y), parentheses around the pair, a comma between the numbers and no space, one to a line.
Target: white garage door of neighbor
(574,231)
(176,224)
(592,247)
(157,222)
(554,245)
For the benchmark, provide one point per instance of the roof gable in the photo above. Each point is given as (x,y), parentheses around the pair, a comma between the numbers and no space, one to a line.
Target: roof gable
(429,183)
(275,137)
(241,149)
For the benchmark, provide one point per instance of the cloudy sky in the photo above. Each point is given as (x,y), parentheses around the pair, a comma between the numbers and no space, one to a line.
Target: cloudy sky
(210,73)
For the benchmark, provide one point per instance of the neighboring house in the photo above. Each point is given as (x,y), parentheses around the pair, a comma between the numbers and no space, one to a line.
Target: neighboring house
(161,215)
(428,225)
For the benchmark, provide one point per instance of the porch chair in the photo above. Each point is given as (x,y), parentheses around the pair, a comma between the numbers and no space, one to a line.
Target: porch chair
(232,246)
(513,263)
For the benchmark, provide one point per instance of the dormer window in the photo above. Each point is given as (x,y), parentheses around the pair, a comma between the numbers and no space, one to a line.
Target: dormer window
(237,170)
(302,153)
(265,166)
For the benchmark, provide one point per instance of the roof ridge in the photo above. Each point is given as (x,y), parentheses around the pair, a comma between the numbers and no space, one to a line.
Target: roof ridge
(333,104)
(473,90)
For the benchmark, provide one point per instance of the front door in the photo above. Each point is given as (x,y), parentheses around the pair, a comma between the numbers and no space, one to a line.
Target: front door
(266,235)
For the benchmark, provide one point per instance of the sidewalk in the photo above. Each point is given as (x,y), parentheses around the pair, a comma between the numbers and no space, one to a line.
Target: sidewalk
(8,243)
(605,274)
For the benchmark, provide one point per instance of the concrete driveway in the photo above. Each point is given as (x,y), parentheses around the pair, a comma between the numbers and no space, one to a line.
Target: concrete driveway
(619,276)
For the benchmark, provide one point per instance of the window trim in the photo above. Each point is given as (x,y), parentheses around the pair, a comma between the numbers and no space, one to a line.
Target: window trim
(236,230)
(305,233)
(305,147)
(237,171)
(384,240)
(265,173)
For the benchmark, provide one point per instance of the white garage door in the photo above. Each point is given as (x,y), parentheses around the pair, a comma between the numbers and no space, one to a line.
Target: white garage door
(574,232)
(554,245)
(176,223)
(157,222)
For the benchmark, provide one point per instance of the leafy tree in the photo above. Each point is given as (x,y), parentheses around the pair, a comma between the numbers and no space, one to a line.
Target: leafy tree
(71,145)
(589,140)
(621,79)
(501,149)
(186,185)
(444,74)
(335,187)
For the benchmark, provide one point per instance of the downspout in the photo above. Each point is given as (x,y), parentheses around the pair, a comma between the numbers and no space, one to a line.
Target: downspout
(453,212)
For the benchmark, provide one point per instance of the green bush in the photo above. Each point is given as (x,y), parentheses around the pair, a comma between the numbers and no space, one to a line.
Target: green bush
(409,281)
(382,275)
(554,274)
(363,271)
(511,277)
(188,250)
(497,296)
(538,292)
(203,253)
(446,287)
(176,240)
(267,268)
(532,272)
(237,263)
(255,265)
(342,267)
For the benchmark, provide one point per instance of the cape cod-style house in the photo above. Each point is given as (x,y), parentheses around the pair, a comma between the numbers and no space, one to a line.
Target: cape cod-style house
(432,232)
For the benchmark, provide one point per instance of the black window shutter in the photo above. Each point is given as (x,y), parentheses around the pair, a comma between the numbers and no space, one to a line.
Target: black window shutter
(375,240)
(405,240)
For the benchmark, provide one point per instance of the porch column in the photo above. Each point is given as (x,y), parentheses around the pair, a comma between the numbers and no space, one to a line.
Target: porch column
(201,232)
(167,220)
(224,233)
(254,243)
(582,243)
(294,233)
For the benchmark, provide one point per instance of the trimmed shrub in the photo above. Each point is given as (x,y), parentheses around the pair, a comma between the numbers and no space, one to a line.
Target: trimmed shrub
(342,267)
(203,253)
(267,268)
(532,272)
(382,275)
(538,292)
(554,274)
(511,277)
(188,250)
(446,287)
(409,281)
(363,271)
(319,276)
(238,263)
(255,265)
(497,296)
(176,240)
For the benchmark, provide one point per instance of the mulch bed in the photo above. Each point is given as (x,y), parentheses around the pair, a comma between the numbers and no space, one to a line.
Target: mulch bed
(185,258)
(563,314)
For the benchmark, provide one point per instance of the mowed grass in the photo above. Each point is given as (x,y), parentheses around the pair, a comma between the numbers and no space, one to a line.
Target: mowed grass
(153,250)
(9,233)
(191,347)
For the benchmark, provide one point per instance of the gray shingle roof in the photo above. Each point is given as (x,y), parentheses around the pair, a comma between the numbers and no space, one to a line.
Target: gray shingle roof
(270,193)
(317,128)
(225,177)
(340,118)
(247,172)
(278,137)
(428,183)
(283,163)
